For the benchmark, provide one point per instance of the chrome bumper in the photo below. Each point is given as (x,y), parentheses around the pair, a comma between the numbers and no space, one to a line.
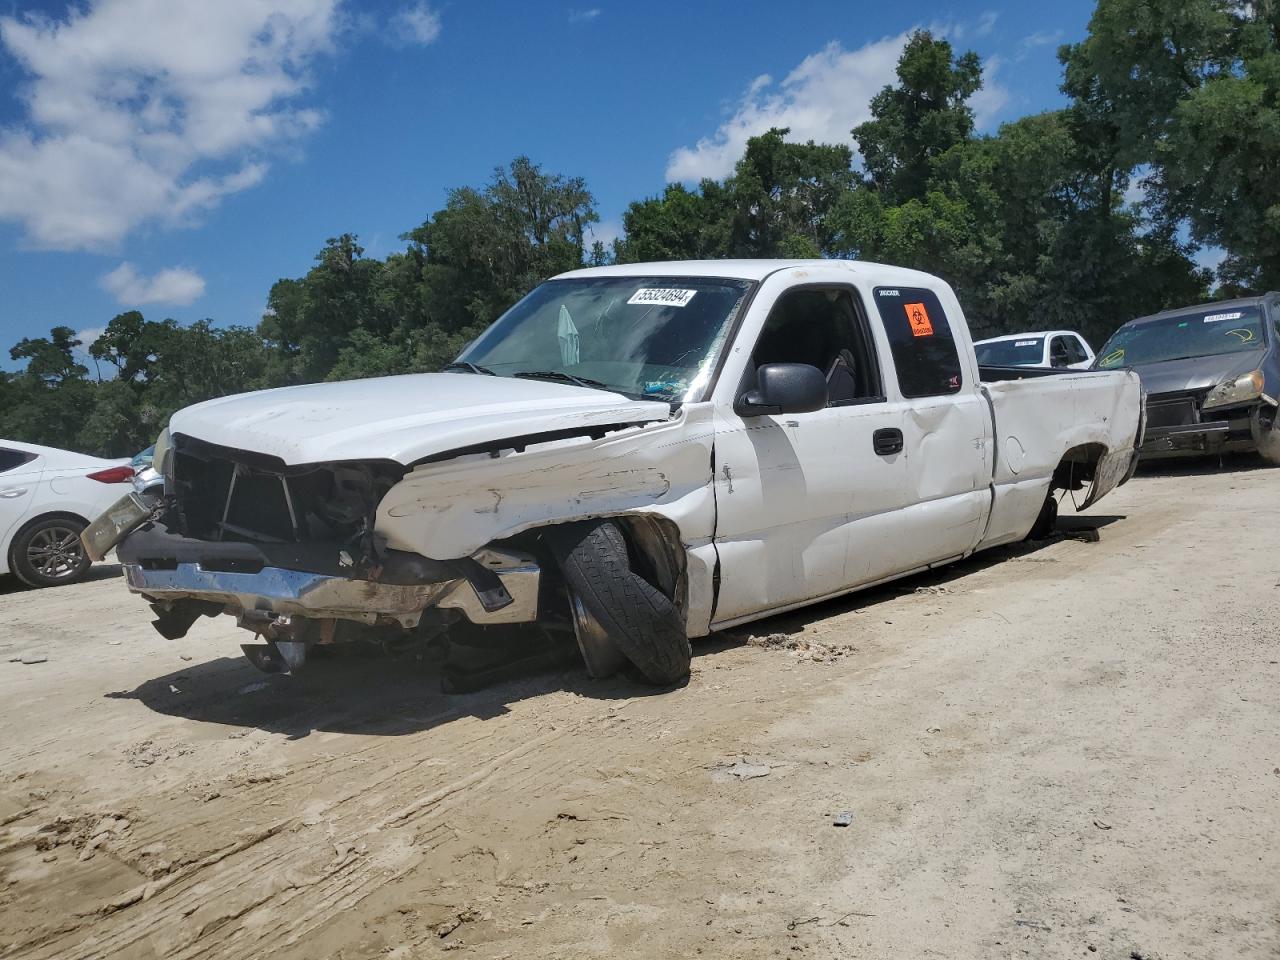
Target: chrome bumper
(318,596)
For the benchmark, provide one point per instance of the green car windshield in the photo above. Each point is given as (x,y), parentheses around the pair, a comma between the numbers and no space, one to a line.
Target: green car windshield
(655,338)
(1205,333)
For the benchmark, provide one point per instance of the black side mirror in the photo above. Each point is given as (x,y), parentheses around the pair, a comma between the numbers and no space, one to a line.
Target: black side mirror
(784,388)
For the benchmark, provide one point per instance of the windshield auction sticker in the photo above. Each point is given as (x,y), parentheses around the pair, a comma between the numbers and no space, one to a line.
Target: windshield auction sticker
(918,317)
(662,297)
(1215,317)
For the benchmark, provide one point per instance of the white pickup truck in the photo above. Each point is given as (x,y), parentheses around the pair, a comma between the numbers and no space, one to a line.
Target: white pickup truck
(638,454)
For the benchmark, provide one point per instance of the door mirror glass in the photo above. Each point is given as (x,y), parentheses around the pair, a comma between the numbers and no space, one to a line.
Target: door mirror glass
(784,388)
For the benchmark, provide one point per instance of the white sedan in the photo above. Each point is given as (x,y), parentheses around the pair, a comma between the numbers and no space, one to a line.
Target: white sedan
(47,496)
(1047,348)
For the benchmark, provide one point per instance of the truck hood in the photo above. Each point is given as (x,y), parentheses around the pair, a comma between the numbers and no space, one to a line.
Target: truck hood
(406,418)
(1195,373)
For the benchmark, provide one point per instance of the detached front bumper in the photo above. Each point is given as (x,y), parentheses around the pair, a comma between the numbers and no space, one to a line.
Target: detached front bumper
(266,581)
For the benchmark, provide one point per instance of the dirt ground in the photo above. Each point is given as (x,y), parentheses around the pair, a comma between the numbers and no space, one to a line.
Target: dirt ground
(1069,750)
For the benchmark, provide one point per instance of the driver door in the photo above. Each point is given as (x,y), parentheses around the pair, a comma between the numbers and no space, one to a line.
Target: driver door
(801,499)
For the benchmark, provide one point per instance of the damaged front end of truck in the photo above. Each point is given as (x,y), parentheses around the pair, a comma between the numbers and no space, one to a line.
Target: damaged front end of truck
(555,476)
(292,553)
(324,554)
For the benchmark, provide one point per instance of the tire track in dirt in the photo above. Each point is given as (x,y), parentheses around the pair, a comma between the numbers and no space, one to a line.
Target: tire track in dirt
(265,873)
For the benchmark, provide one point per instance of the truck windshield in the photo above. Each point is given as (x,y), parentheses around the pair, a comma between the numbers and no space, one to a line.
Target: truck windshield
(654,338)
(1204,333)
(1023,352)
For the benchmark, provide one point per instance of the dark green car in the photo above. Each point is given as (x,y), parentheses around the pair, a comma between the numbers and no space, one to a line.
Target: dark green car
(1211,373)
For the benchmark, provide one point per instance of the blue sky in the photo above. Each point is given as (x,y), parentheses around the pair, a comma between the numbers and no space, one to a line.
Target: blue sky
(156,153)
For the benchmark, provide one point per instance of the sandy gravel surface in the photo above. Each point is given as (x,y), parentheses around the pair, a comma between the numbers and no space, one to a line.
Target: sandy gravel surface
(1066,751)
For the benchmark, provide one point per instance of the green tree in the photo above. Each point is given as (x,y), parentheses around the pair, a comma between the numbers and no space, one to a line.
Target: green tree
(49,401)
(308,320)
(681,224)
(776,204)
(781,194)
(917,121)
(1192,89)
(132,344)
(489,247)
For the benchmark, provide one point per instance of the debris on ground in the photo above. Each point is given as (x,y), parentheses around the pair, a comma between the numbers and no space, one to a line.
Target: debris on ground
(743,769)
(843,818)
(29,658)
(934,591)
(84,833)
(801,648)
(469,915)
(147,752)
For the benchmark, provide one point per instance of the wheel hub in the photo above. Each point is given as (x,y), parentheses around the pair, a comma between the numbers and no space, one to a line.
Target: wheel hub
(56,552)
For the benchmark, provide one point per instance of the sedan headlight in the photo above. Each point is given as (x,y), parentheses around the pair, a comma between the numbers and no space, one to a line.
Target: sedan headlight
(161,452)
(1239,390)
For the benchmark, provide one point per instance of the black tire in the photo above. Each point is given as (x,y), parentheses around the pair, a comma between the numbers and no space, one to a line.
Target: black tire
(48,552)
(1046,520)
(639,618)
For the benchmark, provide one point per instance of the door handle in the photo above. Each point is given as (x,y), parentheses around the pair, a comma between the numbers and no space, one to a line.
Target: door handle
(12,493)
(887,441)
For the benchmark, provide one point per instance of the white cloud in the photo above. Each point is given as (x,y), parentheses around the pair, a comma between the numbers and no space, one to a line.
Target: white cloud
(606,231)
(989,102)
(822,99)
(151,110)
(584,16)
(175,285)
(417,23)
(960,31)
(1041,38)
(86,338)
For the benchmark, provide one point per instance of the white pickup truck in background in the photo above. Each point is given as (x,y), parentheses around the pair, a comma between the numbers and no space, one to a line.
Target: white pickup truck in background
(638,454)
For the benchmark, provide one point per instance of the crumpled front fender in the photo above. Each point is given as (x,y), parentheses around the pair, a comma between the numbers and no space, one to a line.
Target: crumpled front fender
(453,508)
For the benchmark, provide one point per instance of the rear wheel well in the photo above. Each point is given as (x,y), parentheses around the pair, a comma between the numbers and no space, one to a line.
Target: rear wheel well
(1078,467)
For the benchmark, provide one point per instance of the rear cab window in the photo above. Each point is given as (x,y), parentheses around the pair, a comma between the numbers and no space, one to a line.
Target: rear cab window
(921,341)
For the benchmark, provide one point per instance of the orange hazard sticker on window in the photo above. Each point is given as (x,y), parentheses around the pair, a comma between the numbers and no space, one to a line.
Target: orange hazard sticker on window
(918,317)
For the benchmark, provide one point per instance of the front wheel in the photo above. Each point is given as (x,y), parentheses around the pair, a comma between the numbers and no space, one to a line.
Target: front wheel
(49,553)
(640,619)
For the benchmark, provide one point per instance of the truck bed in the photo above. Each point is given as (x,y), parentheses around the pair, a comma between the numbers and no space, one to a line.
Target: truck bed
(1042,414)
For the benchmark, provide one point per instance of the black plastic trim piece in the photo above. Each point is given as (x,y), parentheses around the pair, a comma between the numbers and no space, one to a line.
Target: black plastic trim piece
(518,443)
(153,546)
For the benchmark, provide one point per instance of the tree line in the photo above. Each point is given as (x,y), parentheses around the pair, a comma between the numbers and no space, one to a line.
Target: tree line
(1080,218)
